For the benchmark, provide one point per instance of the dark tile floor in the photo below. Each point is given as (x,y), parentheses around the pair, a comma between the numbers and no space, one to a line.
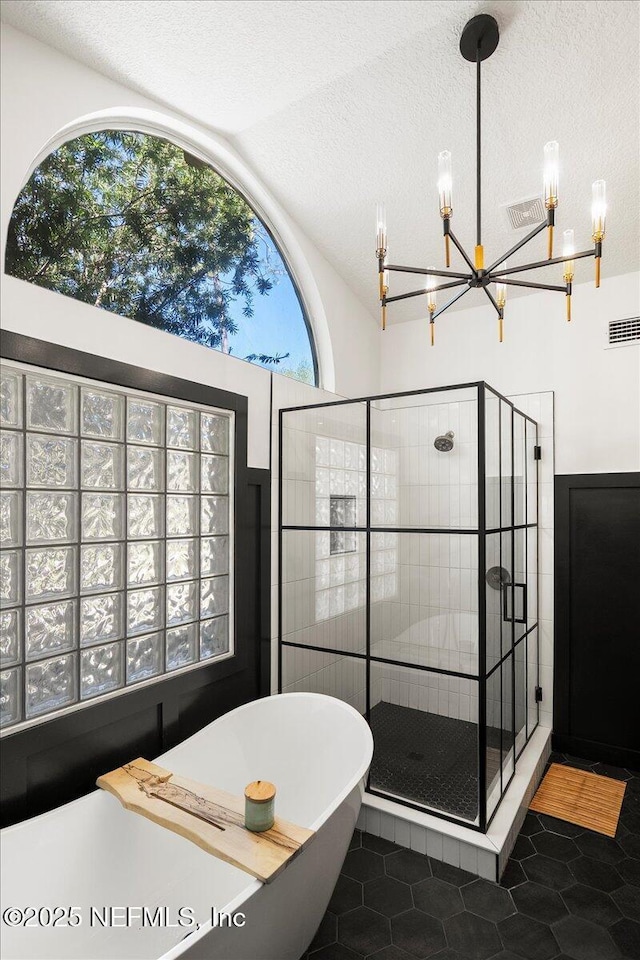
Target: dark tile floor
(567,893)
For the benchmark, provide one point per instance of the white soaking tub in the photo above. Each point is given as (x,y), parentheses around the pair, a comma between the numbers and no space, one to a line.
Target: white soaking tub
(92,854)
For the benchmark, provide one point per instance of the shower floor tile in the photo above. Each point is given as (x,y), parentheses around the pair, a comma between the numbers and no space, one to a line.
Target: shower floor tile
(429,759)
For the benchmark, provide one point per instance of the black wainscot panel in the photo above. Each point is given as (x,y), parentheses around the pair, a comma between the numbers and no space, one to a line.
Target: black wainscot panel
(597,617)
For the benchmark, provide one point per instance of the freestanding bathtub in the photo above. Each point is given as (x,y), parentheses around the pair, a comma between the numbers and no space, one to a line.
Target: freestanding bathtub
(92,853)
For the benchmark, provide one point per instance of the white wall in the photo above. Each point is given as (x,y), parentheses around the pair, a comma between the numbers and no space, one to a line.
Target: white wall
(597,391)
(43,92)
(36,312)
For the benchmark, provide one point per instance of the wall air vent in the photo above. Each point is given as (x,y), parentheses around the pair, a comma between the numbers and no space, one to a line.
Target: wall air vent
(525,213)
(624,333)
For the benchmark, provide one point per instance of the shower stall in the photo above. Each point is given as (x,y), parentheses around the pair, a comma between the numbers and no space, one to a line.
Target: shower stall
(408,584)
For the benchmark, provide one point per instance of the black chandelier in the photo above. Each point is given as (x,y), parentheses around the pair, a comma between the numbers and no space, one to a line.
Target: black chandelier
(478,41)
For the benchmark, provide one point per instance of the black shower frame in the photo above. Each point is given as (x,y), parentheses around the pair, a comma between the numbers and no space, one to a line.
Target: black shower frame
(482,531)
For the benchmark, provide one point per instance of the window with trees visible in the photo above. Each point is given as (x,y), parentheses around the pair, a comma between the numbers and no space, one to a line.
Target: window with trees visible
(134,224)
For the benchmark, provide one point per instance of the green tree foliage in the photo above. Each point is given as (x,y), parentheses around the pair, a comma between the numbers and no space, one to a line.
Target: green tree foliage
(133,224)
(303,371)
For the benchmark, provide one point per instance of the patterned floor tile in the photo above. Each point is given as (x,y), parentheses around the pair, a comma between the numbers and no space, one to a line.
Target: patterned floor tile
(566,894)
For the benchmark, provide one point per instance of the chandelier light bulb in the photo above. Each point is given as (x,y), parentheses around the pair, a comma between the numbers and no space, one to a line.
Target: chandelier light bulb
(551,174)
(381,230)
(445,183)
(568,249)
(598,209)
(431,293)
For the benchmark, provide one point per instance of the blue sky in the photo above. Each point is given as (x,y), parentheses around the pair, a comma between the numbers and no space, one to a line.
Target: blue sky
(278,323)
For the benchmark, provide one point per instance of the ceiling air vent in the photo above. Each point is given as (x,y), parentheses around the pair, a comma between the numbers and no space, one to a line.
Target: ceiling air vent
(525,213)
(624,333)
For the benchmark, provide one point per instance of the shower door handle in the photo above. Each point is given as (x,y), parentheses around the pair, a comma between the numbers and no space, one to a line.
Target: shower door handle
(512,617)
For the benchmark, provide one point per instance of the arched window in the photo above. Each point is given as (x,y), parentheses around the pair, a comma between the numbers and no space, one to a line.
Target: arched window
(134,224)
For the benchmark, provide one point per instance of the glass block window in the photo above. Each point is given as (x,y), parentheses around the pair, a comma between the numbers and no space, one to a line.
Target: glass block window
(342,513)
(115,540)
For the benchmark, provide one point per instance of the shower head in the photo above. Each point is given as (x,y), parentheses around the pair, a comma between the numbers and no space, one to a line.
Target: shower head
(444,443)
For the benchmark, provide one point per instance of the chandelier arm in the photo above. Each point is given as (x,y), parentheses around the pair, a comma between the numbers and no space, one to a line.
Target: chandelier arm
(525,283)
(521,243)
(462,252)
(427,271)
(491,297)
(546,263)
(445,286)
(449,303)
(422,292)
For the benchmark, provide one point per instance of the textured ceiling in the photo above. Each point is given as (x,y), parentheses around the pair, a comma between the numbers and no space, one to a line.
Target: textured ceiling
(229,63)
(340,103)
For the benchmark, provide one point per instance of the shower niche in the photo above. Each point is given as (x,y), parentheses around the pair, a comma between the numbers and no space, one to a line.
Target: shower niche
(408,585)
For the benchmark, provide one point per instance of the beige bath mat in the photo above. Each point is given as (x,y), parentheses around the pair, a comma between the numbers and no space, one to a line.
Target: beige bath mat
(580,797)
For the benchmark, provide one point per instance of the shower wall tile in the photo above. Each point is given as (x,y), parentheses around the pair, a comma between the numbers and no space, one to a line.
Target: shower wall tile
(453,697)
(323,595)
(289,393)
(330,674)
(431,617)
(435,489)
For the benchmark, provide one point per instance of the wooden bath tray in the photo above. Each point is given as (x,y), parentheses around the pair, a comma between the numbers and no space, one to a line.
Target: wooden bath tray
(214,821)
